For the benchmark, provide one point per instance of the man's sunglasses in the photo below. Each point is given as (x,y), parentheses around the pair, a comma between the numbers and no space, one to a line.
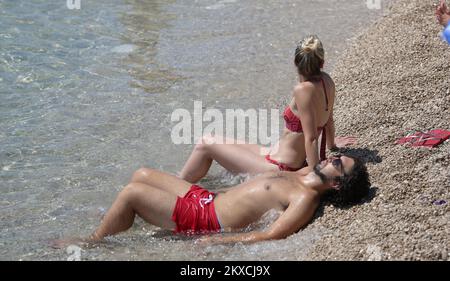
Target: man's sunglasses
(337,163)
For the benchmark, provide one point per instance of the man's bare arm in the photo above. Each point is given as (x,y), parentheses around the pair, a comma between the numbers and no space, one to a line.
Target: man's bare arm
(296,216)
(221,190)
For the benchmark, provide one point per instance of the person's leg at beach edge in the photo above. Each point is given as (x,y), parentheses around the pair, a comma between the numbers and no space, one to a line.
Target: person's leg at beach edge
(152,204)
(161,180)
(236,158)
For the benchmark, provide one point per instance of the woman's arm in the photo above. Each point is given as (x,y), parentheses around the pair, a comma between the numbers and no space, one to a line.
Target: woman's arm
(330,131)
(303,95)
(333,142)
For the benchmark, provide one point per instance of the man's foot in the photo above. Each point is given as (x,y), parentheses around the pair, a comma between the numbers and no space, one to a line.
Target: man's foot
(65,242)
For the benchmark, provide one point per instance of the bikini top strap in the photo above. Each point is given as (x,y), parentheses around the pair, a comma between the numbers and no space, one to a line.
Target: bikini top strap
(323,145)
(325,91)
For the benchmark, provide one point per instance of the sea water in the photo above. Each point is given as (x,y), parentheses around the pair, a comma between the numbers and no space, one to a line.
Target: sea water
(86,97)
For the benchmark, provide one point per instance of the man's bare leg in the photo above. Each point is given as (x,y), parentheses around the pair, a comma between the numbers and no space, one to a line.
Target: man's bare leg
(153,205)
(161,180)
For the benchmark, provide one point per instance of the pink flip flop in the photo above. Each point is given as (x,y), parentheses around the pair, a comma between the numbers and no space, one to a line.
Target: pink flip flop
(429,139)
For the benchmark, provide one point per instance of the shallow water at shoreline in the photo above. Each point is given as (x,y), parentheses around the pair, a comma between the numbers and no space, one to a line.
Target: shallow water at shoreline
(86,97)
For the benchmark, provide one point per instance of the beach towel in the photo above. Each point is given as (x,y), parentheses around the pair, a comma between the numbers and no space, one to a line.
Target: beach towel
(432,138)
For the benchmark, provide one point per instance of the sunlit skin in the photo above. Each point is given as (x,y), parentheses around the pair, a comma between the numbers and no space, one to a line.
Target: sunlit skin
(308,103)
(152,196)
(443,13)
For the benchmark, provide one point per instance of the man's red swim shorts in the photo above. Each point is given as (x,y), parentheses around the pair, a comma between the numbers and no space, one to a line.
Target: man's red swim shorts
(195,213)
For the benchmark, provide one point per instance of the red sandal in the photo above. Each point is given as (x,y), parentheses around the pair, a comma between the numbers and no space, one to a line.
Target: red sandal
(432,138)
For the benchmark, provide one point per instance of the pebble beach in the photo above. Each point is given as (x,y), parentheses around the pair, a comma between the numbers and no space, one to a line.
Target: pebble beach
(393,79)
(87,96)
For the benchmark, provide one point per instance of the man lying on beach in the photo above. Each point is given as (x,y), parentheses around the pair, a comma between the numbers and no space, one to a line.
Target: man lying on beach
(174,204)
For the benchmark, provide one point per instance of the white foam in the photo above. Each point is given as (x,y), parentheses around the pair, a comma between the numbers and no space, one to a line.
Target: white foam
(124,49)
(220,4)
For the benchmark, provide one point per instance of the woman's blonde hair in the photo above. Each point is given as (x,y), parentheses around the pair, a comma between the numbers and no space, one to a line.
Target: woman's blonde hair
(309,56)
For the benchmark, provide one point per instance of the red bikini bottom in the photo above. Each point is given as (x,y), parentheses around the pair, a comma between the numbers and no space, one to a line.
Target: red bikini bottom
(284,167)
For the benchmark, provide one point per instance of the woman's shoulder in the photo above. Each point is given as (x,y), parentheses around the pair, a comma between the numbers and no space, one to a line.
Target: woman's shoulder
(304,92)
(328,78)
(303,87)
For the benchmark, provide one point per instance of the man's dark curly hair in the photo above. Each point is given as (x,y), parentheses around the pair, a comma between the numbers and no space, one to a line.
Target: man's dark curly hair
(353,187)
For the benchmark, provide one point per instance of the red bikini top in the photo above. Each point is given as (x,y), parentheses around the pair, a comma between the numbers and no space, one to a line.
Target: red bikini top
(294,124)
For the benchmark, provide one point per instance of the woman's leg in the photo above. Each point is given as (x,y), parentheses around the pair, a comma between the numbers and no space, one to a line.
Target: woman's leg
(236,158)
(153,205)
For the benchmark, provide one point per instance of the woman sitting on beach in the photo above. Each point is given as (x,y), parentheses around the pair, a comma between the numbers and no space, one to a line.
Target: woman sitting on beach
(309,114)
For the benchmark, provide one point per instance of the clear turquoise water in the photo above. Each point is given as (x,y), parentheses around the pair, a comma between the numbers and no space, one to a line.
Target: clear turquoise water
(86,97)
